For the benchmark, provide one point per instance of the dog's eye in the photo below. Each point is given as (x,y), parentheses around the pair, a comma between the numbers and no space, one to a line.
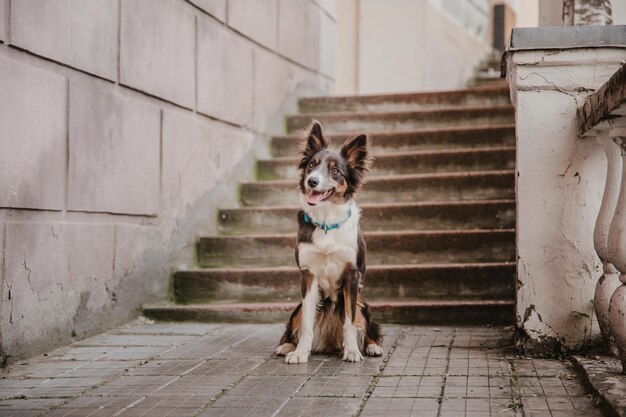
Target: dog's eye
(312,164)
(335,171)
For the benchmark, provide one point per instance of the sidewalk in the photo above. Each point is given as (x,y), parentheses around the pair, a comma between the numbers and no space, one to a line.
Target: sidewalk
(192,369)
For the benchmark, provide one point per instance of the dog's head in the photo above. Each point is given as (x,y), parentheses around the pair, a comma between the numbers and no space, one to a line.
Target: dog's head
(326,175)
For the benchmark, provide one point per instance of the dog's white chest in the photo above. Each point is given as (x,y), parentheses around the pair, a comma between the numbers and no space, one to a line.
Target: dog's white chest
(328,254)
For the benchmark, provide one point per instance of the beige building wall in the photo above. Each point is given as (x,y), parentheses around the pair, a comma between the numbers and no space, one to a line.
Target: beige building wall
(409,45)
(122,130)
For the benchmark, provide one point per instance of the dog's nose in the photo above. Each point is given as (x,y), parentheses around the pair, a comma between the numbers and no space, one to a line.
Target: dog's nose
(313,182)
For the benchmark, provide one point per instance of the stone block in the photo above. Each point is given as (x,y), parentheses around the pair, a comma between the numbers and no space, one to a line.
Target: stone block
(330,7)
(157,49)
(216,8)
(328,37)
(33,141)
(225,73)
(56,284)
(255,19)
(199,156)
(140,275)
(82,34)
(299,31)
(277,86)
(114,153)
(3,18)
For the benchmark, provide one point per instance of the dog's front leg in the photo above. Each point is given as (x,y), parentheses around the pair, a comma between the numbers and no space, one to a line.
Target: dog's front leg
(351,350)
(310,298)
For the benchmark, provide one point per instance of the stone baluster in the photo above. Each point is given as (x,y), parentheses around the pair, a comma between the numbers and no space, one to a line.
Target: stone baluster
(609,281)
(617,252)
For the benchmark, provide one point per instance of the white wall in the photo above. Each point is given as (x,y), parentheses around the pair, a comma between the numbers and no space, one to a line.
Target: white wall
(413,45)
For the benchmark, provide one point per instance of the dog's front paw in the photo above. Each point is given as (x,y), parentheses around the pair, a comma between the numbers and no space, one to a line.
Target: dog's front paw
(284,349)
(352,355)
(297,357)
(373,350)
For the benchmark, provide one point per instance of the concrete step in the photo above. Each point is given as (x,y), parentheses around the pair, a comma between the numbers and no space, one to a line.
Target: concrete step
(407,101)
(383,282)
(405,120)
(457,312)
(491,214)
(414,140)
(420,162)
(478,185)
(388,247)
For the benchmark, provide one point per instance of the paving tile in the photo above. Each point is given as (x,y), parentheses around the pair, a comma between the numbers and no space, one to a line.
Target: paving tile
(196,329)
(409,386)
(171,367)
(61,387)
(277,366)
(13,387)
(133,385)
(136,340)
(27,407)
(272,386)
(242,406)
(335,386)
(400,407)
(331,407)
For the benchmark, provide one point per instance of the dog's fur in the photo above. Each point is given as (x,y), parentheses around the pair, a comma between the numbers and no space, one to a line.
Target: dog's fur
(332,315)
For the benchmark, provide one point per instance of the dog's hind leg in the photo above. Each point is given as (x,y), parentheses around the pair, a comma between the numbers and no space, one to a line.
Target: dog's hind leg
(310,299)
(289,340)
(373,335)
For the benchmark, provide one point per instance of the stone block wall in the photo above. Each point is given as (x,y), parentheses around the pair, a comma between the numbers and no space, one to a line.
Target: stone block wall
(124,125)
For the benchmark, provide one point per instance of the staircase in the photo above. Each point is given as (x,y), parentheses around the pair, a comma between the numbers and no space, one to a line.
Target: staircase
(438,216)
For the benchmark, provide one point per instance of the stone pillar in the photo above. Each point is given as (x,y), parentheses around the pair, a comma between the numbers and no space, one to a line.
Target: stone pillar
(617,255)
(609,281)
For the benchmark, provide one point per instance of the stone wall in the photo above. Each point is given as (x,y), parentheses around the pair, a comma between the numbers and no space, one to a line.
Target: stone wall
(124,124)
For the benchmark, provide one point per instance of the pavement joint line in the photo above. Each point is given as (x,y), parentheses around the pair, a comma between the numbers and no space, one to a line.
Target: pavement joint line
(445,373)
(516,397)
(376,377)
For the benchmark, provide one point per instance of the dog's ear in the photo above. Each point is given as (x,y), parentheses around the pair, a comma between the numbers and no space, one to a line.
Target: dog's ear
(311,143)
(356,152)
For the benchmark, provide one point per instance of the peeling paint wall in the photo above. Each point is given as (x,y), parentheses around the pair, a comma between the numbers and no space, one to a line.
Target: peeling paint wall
(124,126)
(560,179)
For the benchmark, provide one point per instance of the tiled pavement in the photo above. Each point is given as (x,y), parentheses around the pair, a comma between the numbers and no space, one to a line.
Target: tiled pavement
(190,369)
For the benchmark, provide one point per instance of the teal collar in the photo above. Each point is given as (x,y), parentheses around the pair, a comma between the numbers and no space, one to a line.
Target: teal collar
(326,227)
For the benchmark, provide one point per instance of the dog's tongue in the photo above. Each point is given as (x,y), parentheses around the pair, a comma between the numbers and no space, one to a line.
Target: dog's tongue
(314,198)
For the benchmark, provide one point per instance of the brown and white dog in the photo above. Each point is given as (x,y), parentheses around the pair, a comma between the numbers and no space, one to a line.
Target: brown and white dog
(331,255)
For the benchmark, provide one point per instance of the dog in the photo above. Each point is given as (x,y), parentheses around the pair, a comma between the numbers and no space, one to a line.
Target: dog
(330,253)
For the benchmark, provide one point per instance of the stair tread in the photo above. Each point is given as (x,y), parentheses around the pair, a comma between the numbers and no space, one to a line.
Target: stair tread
(366,206)
(260,306)
(375,233)
(398,113)
(409,96)
(391,155)
(385,178)
(370,268)
(407,132)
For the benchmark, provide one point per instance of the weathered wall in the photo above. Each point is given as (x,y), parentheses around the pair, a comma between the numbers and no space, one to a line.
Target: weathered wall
(123,126)
(560,179)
